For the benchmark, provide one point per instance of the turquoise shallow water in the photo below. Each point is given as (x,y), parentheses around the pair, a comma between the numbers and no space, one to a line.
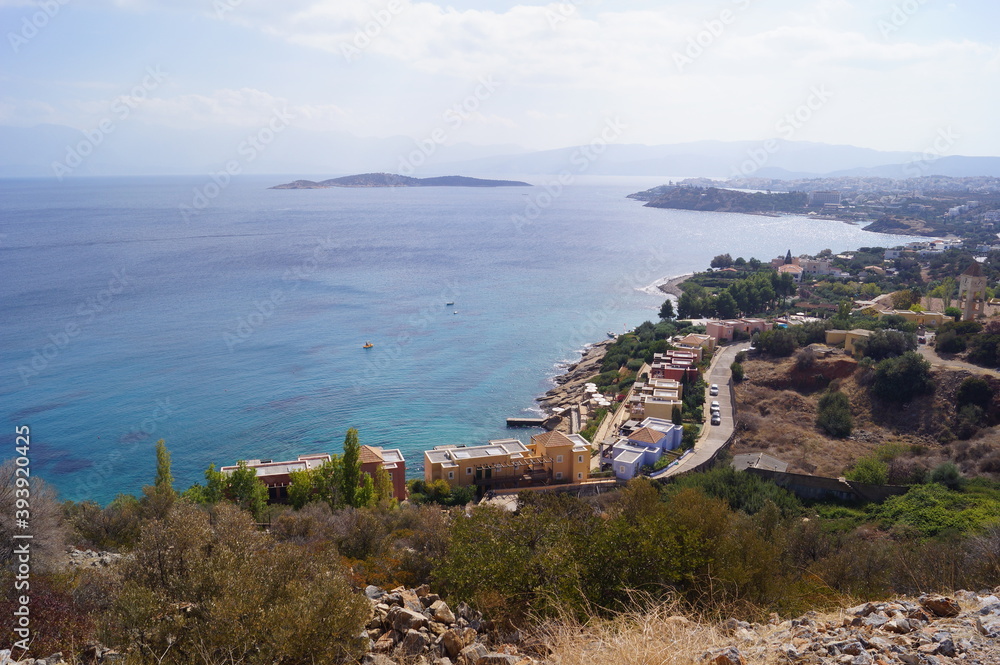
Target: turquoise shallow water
(238,332)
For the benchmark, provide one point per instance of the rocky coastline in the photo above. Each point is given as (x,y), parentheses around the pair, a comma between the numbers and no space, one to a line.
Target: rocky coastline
(569,389)
(673,286)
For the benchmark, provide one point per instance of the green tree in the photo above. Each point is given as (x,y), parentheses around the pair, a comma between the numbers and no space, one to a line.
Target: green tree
(242,487)
(382,487)
(725,306)
(834,415)
(301,490)
(667,309)
(164,478)
(722,261)
(352,468)
(883,344)
(738,372)
(902,378)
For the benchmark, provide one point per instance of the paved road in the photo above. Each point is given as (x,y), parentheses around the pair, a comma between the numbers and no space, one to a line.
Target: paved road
(712,437)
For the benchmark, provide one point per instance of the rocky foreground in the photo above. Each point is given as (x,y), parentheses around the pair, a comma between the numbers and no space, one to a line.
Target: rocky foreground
(419,628)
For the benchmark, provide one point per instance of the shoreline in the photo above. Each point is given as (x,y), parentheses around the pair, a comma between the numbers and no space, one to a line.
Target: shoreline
(672,286)
(568,391)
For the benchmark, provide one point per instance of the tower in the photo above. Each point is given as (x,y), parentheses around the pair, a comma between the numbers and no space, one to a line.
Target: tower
(972,292)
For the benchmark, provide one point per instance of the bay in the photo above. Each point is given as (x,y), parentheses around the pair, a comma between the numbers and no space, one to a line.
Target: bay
(232,326)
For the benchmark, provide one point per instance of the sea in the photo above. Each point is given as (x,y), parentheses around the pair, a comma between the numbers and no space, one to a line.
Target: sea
(229,319)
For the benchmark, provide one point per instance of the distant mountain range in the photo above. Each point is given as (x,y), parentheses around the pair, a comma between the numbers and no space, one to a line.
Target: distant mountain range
(393,180)
(134,148)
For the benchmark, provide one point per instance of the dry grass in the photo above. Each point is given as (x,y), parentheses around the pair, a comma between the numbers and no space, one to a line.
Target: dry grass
(778,407)
(657,634)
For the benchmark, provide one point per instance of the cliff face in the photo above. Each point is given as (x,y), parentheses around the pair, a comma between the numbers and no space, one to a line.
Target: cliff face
(393,180)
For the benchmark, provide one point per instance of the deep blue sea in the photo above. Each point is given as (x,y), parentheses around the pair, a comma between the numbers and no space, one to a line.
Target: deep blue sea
(237,331)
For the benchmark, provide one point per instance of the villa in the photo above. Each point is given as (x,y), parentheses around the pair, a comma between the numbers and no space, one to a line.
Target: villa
(550,458)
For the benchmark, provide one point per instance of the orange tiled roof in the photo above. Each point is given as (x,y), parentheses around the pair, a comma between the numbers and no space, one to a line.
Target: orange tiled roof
(371,454)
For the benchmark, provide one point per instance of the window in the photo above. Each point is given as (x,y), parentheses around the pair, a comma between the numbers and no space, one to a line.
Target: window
(621,469)
(558,475)
(579,458)
(451,475)
(468,470)
(559,459)
(579,476)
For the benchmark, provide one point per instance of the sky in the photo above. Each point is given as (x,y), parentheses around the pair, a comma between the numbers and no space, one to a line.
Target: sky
(887,75)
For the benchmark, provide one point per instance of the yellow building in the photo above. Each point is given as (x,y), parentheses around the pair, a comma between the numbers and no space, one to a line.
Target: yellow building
(929,319)
(846,337)
(552,457)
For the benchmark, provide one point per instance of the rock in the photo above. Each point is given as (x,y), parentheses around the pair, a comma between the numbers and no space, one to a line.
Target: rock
(429,599)
(442,612)
(875,620)
(494,658)
(727,656)
(437,628)
(414,642)
(387,642)
(941,606)
(377,659)
(404,619)
(373,592)
(422,590)
(457,639)
(899,625)
(471,654)
(442,661)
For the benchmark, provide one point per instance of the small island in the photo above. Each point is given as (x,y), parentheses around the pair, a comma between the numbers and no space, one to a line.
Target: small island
(716,199)
(393,180)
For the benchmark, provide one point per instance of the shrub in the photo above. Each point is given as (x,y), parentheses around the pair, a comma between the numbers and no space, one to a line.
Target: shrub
(883,344)
(779,342)
(834,415)
(947,474)
(970,417)
(805,359)
(201,589)
(953,312)
(869,470)
(738,372)
(902,378)
(949,342)
(974,390)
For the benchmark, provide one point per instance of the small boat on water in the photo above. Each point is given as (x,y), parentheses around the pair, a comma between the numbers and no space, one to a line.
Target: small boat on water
(449,304)
(611,334)
(455,312)
(368,345)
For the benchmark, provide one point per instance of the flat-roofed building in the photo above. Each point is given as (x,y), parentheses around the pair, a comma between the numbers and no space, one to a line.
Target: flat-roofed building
(276,476)
(656,398)
(552,457)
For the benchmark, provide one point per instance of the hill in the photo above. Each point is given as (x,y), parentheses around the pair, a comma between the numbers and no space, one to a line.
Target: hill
(393,180)
(720,200)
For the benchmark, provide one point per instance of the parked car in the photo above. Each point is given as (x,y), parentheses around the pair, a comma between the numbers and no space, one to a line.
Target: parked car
(715,404)
(713,390)
(716,419)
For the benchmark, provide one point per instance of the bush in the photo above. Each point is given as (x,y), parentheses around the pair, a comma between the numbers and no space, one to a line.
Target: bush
(869,470)
(202,589)
(949,342)
(902,378)
(947,474)
(805,359)
(883,344)
(953,312)
(779,342)
(738,373)
(834,415)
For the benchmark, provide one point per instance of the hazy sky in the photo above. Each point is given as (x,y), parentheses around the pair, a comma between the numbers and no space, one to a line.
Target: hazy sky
(881,74)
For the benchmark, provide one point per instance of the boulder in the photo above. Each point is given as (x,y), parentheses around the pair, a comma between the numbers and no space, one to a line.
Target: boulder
(941,606)
(442,612)
(404,619)
(727,656)
(377,659)
(373,592)
(471,654)
(414,642)
(455,640)
(499,659)
(899,625)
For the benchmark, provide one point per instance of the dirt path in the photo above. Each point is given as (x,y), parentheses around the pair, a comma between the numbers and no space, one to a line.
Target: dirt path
(928,352)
